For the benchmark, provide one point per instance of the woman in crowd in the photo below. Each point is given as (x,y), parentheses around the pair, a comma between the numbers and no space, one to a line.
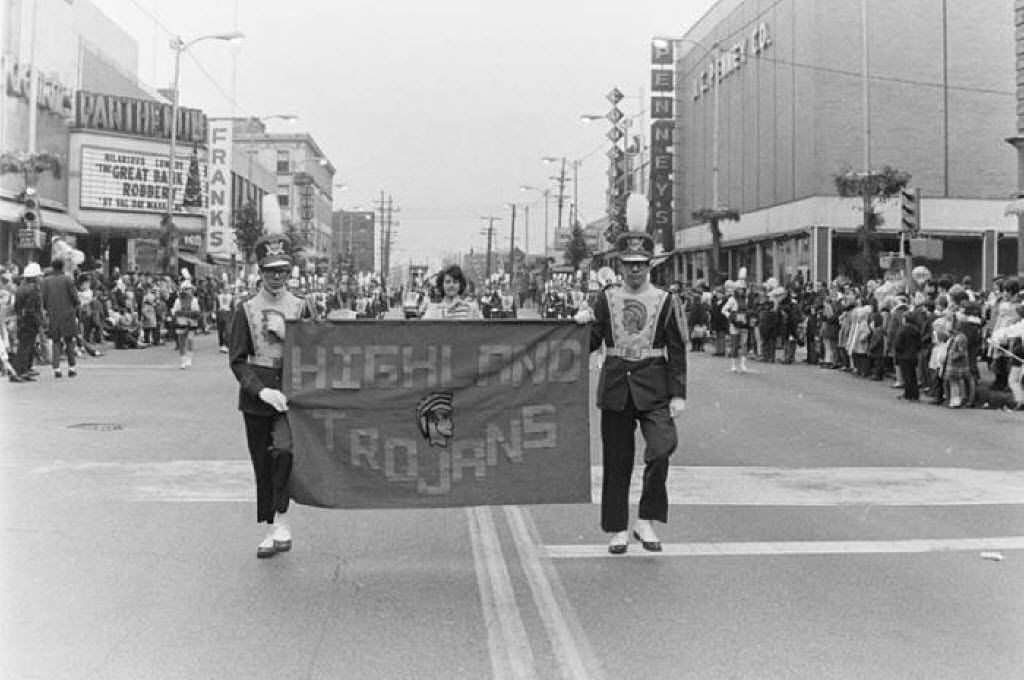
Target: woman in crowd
(453,304)
(148,316)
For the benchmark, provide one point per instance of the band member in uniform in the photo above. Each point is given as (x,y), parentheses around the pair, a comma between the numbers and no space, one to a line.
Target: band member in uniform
(255,351)
(643,381)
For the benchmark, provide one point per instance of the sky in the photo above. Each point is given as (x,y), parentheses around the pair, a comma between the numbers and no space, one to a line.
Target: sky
(446,105)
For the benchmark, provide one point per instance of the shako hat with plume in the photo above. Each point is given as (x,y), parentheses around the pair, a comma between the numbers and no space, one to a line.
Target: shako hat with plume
(635,245)
(274,248)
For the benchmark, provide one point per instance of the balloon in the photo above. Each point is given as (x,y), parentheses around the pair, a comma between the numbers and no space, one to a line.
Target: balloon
(921,274)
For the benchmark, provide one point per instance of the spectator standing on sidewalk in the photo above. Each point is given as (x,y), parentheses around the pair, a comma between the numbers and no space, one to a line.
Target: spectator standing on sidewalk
(150,320)
(906,348)
(28,309)
(60,303)
(1004,313)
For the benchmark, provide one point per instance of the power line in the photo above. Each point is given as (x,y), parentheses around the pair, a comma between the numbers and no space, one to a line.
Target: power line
(173,34)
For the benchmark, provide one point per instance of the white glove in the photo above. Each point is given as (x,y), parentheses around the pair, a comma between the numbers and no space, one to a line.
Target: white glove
(676,406)
(275,398)
(583,317)
(275,325)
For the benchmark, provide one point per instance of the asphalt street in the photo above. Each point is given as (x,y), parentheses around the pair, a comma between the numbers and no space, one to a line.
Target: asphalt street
(820,528)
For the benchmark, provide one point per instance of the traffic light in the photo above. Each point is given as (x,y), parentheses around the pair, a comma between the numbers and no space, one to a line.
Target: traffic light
(30,214)
(910,211)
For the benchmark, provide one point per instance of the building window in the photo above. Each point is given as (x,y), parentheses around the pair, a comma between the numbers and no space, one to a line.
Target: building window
(283,163)
(282,197)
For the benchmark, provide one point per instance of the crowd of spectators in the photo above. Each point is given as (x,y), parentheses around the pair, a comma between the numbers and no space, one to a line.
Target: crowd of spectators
(931,339)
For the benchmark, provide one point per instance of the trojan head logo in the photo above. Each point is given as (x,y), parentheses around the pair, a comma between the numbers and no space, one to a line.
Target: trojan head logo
(275,248)
(635,245)
(634,316)
(434,415)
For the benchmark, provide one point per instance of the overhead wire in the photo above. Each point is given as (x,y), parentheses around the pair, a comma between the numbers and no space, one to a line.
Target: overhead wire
(173,34)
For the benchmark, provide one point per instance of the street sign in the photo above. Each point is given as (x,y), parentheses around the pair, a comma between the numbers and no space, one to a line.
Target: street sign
(30,239)
(615,115)
(615,96)
(927,248)
(614,153)
(615,134)
(892,262)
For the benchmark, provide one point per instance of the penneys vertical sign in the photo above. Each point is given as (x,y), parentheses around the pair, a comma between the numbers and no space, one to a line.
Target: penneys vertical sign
(662,139)
(220,229)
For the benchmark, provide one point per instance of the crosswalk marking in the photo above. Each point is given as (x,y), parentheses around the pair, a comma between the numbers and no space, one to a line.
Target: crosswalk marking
(197,481)
(775,548)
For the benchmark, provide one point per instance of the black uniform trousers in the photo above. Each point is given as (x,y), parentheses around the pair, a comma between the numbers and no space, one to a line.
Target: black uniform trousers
(27,334)
(270,449)
(618,453)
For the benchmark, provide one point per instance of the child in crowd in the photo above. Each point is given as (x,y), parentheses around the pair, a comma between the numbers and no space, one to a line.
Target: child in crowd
(937,359)
(876,347)
(955,372)
(149,316)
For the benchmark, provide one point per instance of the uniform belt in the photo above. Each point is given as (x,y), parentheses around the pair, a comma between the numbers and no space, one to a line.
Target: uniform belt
(265,363)
(636,354)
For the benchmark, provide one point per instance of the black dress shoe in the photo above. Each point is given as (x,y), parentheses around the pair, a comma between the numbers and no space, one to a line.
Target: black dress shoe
(653,546)
(265,551)
(617,548)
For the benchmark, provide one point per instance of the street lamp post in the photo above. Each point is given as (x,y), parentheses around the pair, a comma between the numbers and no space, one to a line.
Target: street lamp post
(180,46)
(546,193)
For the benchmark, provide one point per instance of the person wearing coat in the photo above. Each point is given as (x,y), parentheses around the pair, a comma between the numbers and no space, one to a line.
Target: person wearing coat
(906,348)
(60,302)
(643,381)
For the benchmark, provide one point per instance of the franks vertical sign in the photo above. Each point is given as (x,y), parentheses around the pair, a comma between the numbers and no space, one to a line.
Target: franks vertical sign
(220,226)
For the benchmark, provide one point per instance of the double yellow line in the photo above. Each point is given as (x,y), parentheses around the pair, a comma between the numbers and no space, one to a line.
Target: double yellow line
(508,642)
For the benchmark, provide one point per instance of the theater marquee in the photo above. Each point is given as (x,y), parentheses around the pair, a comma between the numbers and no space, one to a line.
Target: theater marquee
(130,181)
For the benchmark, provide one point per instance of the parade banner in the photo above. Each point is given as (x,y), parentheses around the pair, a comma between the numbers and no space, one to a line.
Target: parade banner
(401,414)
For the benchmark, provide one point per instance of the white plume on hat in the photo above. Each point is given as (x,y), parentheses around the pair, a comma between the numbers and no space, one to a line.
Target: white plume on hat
(185,274)
(272,215)
(637,210)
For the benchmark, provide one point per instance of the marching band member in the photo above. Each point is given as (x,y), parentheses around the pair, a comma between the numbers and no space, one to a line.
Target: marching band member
(255,351)
(643,381)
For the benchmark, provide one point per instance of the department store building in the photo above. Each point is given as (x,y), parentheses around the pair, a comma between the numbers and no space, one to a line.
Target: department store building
(791,115)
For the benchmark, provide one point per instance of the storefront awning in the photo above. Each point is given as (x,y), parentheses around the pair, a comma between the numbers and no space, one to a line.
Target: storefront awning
(10,211)
(59,221)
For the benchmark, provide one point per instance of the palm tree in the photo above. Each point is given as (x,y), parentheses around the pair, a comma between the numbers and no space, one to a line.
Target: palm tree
(713,216)
(869,186)
(31,165)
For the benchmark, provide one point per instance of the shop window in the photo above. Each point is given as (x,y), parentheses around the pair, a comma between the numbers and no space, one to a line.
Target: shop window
(282,197)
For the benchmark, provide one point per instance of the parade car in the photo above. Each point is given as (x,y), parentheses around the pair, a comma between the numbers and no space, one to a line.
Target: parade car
(412,304)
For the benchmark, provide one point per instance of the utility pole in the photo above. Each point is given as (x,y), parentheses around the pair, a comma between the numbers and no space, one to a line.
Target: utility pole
(526,230)
(512,249)
(381,209)
(386,209)
(561,179)
(489,232)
